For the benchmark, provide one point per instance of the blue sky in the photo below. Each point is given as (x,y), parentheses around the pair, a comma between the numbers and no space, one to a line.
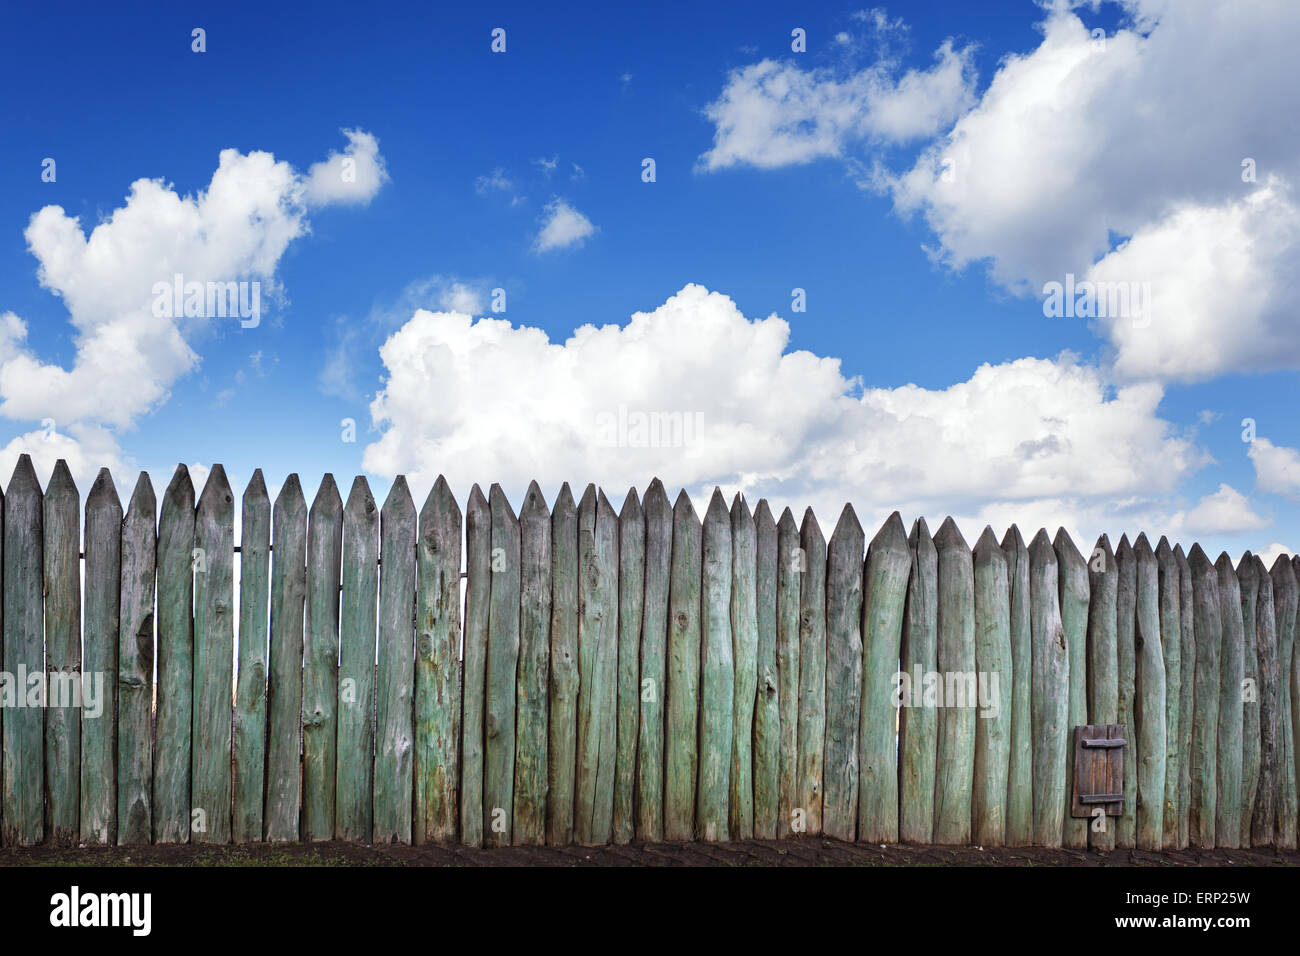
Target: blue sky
(1071,153)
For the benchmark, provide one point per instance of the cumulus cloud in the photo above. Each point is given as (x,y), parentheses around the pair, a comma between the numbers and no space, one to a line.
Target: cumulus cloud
(127,355)
(1277,468)
(354,176)
(774,113)
(1225,511)
(562,226)
(698,394)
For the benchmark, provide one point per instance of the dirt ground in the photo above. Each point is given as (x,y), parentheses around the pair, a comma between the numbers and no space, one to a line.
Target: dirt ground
(796,852)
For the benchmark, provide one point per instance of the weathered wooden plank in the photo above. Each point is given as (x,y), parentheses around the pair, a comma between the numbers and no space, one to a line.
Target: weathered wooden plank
(844,583)
(284,681)
(135,652)
(1264,813)
(1051,692)
(1248,583)
(889,561)
(1186,693)
(767,703)
(1125,629)
(1289,666)
(172,729)
(789,560)
(1072,574)
(395,679)
(631,605)
(1020,790)
(955,769)
(478,591)
(654,649)
(502,672)
(1171,646)
(437,668)
(681,741)
(320,685)
(1205,719)
(744,644)
(1103,665)
(249,768)
(1149,700)
(62,519)
(1227,814)
(214,659)
(1285,594)
(812,673)
(22,808)
(918,726)
(358,619)
(993,670)
(562,731)
(598,668)
(103,601)
(717,674)
(529,815)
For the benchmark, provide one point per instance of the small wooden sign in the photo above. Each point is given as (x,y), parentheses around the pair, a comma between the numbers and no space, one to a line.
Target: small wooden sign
(1098,769)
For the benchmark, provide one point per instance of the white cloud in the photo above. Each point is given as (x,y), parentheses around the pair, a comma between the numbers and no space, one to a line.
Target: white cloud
(773,113)
(495,181)
(1277,468)
(352,177)
(562,226)
(487,400)
(1224,512)
(547,165)
(1275,550)
(127,357)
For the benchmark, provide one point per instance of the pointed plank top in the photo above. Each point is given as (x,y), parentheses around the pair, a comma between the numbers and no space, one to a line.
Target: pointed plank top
(103,493)
(142,499)
(1283,571)
(656,499)
(1123,550)
(683,509)
(1246,570)
(717,510)
(327,501)
(740,509)
(848,527)
(1180,554)
(564,502)
(256,487)
(534,506)
(398,503)
(588,502)
(1164,551)
(500,505)
(988,544)
(811,529)
(1108,562)
(787,523)
(1040,549)
(1223,562)
(949,537)
(763,515)
(360,503)
(603,508)
(290,498)
(216,491)
(1012,539)
(631,510)
(1142,547)
(180,490)
(1066,551)
(892,536)
(24,476)
(61,482)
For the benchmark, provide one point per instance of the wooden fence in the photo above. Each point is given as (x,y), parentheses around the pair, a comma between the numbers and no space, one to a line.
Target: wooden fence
(641,675)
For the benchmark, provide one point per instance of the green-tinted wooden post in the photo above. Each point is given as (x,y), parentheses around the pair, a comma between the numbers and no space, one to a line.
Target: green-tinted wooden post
(918,724)
(478,590)
(812,672)
(320,662)
(767,704)
(1264,813)
(99,664)
(1103,665)
(844,574)
(1186,693)
(284,680)
(395,680)
(993,670)
(1171,646)
(214,658)
(1205,719)
(1051,692)
(562,732)
(1227,814)
(681,740)
(63,656)
(888,564)
(654,650)
(1290,675)
(1125,628)
(1285,595)
(955,769)
(172,729)
(22,808)
(248,775)
(1020,787)
(502,668)
(437,668)
(598,668)
(1248,583)
(358,617)
(529,816)
(789,562)
(631,605)
(1149,700)
(717,674)
(744,644)
(1072,572)
(135,652)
